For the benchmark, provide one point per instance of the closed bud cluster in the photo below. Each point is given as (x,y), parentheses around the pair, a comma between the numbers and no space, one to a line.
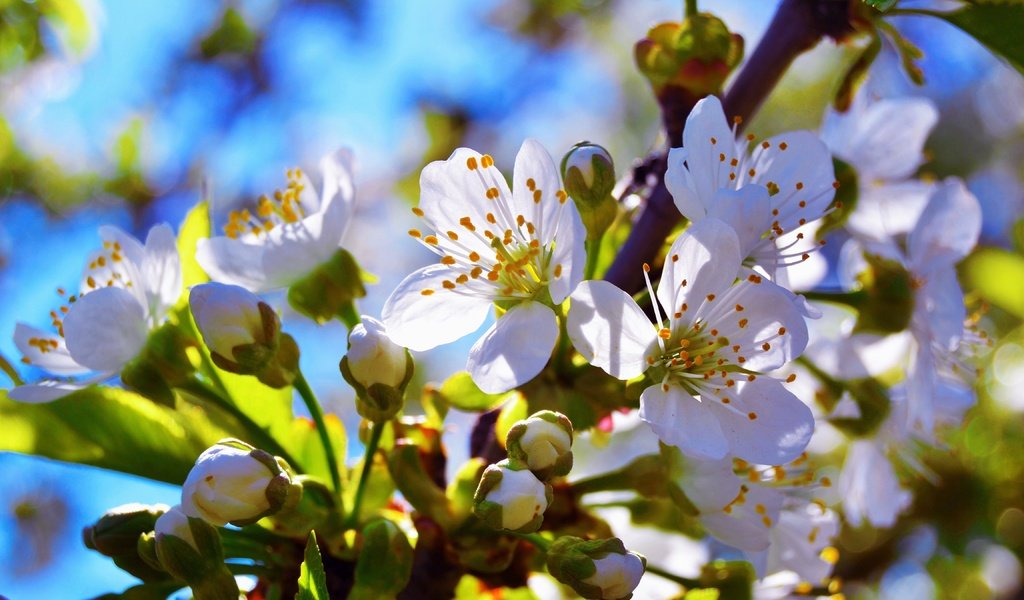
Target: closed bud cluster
(511,498)
(599,569)
(696,55)
(589,176)
(243,333)
(543,443)
(232,482)
(378,369)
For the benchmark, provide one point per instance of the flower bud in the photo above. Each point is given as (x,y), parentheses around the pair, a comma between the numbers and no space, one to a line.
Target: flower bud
(232,482)
(601,569)
(589,176)
(377,369)
(330,290)
(117,531)
(240,330)
(190,550)
(372,356)
(543,443)
(696,55)
(512,499)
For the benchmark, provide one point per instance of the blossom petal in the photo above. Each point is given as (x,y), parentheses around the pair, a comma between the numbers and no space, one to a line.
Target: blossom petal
(539,203)
(609,330)
(680,184)
(292,250)
(703,260)
(515,349)
(887,210)
(744,527)
(570,254)
(233,261)
(871,492)
(947,230)
(130,247)
(780,429)
(939,309)
(57,360)
(421,321)
(161,270)
(803,173)
(105,329)
(681,420)
(770,329)
(44,391)
(747,210)
(706,137)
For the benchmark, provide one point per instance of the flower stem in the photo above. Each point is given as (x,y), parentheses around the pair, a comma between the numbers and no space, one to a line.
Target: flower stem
(683,581)
(691,7)
(593,253)
(376,429)
(260,437)
(541,542)
(317,413)
(10,371)
(349,315)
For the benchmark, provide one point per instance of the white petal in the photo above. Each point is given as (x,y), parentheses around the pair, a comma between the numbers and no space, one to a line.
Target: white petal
(514,349)
(780,431)
(706,257)
(570,253)
(534,163)
(338,182)
(131,248)
(706,137)
(803,172)
(44,391)
(767,310)
(609,330)
(233,261)
(56,361)
(888,210)
(680,184)
(161,270)
(886,140)
(681,420)
(869,486)
(747,210)
(421,322)
(939,309)
(292,250)
(105,329)
(947,230)
(744,527)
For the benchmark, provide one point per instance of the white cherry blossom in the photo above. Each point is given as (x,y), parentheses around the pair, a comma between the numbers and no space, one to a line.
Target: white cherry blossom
(126,290)
(519,249)
(708,354)
(291,232)
(767,195)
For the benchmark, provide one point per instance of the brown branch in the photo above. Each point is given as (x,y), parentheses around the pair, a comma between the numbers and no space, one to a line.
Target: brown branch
(797,26)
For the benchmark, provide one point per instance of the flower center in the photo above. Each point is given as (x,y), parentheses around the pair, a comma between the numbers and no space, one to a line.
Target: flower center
(284,206)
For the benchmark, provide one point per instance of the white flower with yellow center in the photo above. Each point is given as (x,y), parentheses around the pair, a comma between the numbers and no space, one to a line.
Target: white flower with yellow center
(522,249)
(290,234)
(126,290)
(767,195)
(708,354)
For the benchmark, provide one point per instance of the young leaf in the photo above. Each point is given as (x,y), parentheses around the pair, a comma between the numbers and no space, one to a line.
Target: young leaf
(312,579)
(997,26)
(463,394)
(195,227)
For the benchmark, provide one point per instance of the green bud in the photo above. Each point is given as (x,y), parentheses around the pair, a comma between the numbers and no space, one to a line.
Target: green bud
(696,55)
(888,302)
(116,535)
(601,569)
(189,549)
(162,365)
(543,443)
(330,290)
(511,499)
(384,565)
(589,176)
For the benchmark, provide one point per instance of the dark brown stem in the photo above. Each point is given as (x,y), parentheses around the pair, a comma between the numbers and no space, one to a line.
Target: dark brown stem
(796,27)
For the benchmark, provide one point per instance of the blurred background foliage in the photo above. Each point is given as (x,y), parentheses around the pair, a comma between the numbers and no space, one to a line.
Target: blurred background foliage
(129,112)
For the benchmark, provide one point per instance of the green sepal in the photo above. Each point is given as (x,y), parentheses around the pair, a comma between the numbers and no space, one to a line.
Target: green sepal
(517,455)
(117,533)
(378,403)
(282,370)
(417,486)
(329,290)
(317,507)
(570,560)
(385,562)
(888,302)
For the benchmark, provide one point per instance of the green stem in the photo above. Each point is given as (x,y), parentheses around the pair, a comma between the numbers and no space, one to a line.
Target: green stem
(260,437)
(852,299)
(317,413)
(376,430)
(349,315)
(242,569)
(691,8)
(613,481)
(683,581)
(835,386)
(541,542)
(10,371)
(593,253)
(562,361)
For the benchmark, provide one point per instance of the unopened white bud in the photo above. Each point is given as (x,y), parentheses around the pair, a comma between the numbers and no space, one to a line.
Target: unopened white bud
(372,356)
(228,316)
(583,157)
(617,575)
(511,499)
(543,442)
(175,522)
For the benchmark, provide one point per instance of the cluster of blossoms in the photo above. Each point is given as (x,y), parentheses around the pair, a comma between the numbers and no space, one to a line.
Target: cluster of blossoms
(713,347)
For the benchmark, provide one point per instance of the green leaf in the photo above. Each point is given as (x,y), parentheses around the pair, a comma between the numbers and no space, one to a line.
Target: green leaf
(702,594)
(303,441)
(880,5)
(197,225)
(998,275)
(312,579)
(145,591)
(463,394)
(997,26)
(110,428)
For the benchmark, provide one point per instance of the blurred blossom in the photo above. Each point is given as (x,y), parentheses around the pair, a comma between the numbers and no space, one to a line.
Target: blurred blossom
(906,579)
(40,518)
(1001,570)
(1001,194)
(997,100)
